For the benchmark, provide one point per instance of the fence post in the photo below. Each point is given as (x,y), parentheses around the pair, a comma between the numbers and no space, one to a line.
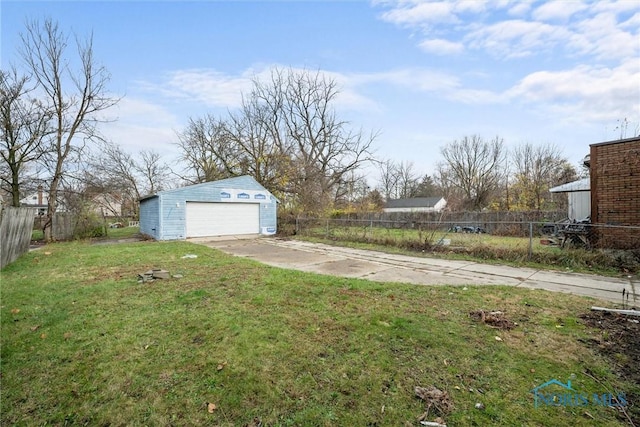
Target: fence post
(530,240)
(297,229)
(327,233)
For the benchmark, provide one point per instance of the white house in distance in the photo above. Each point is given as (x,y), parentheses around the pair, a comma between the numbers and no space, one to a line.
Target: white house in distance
(416,204)
(38,200)
(579,194)
(107,205)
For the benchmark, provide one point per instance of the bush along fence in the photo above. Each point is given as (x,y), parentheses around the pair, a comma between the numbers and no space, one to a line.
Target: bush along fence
(16,225)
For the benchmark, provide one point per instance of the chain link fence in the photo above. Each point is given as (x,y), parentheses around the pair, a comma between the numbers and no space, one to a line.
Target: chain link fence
(554,242)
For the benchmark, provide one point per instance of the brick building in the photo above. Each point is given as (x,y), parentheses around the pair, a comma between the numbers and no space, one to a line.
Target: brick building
(615,193)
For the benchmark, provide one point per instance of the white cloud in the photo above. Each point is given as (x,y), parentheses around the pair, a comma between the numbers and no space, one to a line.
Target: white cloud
(632,23)
(558,10)
(142,125)
(205,86)
(414,78)
(421,13)
(135,109)
(516,38)
(520,8)
(601,29)
(602,37)
(616,6)
(469,6)
(204,89)
(585,92)
(581,93)
(441,47)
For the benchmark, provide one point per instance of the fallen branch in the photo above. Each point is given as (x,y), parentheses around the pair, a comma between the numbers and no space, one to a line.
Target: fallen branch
(621,408)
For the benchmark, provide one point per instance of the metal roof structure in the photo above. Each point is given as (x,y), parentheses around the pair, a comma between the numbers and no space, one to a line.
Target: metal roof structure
(571,187)
(414,202)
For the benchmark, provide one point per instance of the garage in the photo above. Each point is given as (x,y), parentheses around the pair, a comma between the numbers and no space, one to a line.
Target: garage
(232,206)
(222,219)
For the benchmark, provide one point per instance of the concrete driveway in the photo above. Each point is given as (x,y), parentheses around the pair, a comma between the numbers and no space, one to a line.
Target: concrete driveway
(383,267)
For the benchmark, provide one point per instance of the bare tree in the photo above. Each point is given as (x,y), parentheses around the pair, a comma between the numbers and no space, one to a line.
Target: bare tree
(388,179)
(321,147)
(352,191)
(114,172)
(472,167)
(25,129)
(258,132)
(286,135)
(205,149)
(398,180)
(74,97)
(154,173)
(407,180)
(537,168)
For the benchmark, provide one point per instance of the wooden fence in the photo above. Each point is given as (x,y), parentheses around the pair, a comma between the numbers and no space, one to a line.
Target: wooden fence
(16,225)
(62,227)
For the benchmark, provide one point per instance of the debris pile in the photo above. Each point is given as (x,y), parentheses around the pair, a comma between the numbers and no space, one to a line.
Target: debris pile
(495,319)
(151,275)
(437,400)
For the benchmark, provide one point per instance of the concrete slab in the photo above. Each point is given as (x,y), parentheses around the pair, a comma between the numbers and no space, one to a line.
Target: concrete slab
(383,267)
(555,287)
(418,277)
(500,270)
(224,238)
(345,267)
(272,255)
(582,280)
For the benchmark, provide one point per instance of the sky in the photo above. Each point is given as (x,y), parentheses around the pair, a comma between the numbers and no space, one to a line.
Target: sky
(419,73)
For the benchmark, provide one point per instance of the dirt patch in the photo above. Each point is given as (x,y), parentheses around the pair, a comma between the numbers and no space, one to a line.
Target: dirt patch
(619,340)
(494,319)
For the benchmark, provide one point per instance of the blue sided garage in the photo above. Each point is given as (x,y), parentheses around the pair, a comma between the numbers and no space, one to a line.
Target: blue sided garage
(233,206)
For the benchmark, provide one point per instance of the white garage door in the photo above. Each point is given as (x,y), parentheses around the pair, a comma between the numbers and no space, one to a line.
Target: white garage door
(222,219)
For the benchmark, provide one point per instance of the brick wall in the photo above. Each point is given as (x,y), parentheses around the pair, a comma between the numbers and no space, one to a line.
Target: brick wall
(615,192)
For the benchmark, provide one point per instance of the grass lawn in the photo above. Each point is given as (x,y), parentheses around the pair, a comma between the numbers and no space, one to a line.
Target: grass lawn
(232,342)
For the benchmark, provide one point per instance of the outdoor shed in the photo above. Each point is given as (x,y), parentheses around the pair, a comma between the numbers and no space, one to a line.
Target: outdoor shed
(416,204)
(579,195)
(232,206)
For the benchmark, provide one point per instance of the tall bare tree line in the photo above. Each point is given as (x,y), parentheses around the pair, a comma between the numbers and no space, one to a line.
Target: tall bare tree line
(50,114)
(25,130)
(287,135)
(478,174)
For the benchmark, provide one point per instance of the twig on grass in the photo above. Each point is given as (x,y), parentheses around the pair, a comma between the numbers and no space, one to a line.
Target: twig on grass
(608,390)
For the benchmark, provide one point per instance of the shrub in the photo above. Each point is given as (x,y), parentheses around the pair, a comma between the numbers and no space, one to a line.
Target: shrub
(88,225)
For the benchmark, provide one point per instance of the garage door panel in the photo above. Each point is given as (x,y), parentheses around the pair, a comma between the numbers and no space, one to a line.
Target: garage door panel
(222,219)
